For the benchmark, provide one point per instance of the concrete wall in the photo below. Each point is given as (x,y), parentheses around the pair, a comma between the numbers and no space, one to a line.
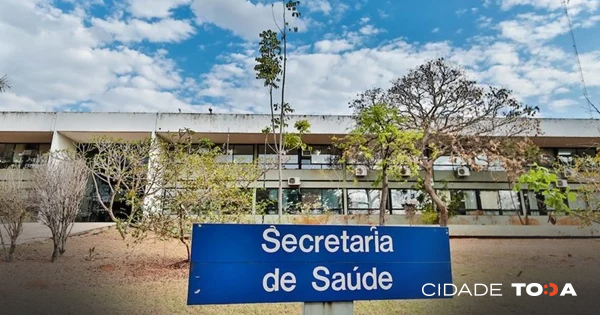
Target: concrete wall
(106,122)
(223,123)
(27,122)
(459,226)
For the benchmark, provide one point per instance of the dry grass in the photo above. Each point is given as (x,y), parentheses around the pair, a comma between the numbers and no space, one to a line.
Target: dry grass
(141,279)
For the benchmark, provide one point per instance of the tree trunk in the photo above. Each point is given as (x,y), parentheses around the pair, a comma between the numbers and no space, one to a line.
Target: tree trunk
(280,189)
(428,184)
(282,115)
(11,250)
(188,250)
(55,250)
(384,197)
(62,244)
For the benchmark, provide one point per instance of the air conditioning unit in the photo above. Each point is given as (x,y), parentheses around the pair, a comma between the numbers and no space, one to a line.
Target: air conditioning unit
(562,183)
(294,181)
(361,171)
(405,171)
(463,171)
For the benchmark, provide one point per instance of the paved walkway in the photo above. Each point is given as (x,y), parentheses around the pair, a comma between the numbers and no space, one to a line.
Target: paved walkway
(33,232)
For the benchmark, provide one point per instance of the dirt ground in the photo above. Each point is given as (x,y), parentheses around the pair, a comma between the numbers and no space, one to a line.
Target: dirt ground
(102,274)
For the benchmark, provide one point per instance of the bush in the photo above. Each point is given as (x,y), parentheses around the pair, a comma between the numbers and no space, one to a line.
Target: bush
(430,217)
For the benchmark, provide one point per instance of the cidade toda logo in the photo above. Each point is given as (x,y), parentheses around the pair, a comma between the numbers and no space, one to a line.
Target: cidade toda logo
(495,289)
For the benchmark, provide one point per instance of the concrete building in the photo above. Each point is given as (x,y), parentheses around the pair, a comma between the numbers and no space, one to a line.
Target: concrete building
(485,196)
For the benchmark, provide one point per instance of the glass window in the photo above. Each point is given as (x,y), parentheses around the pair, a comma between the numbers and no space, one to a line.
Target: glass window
(6,152)
(295,200)
(579,203)
(462,200)
(535,204)
(319,157)
(509,200)
(319,200)
(442,164)
(469,201)
(243,153)
(566,155)
(363,199)
(238,153)
(332,199)
(267,155)
(402,197)
(489,199)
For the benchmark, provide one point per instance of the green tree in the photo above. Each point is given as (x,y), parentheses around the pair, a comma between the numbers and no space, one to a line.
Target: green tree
(198,189)
(271,67)
(585,172)
(459,119)
(542,180)
(378,141)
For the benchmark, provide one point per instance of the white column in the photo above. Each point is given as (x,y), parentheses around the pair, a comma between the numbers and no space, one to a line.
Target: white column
(61,142)
(151,200)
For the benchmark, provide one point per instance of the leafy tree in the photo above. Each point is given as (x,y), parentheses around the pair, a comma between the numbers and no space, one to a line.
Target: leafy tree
(457,118)
(199,189)
(271,67)
(377,140)
(585,172)
(542,180)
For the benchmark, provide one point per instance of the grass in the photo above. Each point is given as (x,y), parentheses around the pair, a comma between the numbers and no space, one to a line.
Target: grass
(117,278)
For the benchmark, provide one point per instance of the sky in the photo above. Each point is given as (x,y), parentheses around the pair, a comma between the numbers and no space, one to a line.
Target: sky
(192,55)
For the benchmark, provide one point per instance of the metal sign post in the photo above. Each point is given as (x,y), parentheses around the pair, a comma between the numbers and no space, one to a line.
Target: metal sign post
(327,267)
(328,308)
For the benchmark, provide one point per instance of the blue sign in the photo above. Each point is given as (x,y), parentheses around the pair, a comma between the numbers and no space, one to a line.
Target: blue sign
(259,263)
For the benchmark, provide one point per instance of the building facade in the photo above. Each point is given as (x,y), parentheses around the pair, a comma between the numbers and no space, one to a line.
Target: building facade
(310,176)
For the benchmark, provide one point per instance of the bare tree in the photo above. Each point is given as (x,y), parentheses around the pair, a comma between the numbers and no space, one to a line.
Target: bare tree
(458,118)
(58,190)
(124,169)
(14,205)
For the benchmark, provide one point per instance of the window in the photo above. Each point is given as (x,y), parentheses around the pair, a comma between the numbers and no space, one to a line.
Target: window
(305,199)
(445,163)
(319,157)
(238,153)
(535,203)
(503,200)
(580,202)
(489,200)
(509,200)
(461,201)
(267,155)
(363,200)
(21,154)
(566,156)
(401,198)
(6,153)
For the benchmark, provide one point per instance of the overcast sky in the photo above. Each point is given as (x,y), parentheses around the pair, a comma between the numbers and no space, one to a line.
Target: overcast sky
(150,55)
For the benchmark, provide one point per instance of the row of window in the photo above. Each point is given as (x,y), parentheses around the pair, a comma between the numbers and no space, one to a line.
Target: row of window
(21,154)
(363,201)
(326,157)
